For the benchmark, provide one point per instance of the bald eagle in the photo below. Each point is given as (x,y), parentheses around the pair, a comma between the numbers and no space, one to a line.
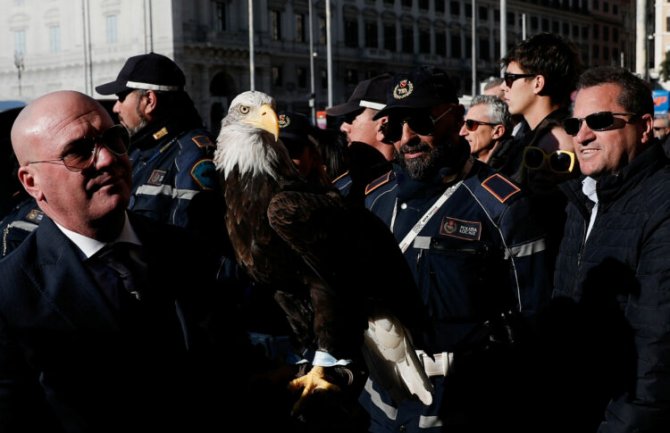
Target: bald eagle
(331,268)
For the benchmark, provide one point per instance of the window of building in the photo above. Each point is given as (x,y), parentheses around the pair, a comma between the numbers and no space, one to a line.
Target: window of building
(606,33)
(596,31)
(111,29)
(54,39)
(456,51)
(390,37)
(424,41)
(596,5)
(596,52)
(219,16)
(323,33)
(406,3)
(300,28)
(371,36)
(615,9)
(440,43)
(511,19)
(606,54)
(545,25)
(455,8)
(468,47)
(533,23)
(275,25)
(468,10)
(351,76)
(440,6)
(407,39)
(554,26)
(566,29)
(276,76)
(389,2)
(606,8)
(496,16)
(350,32)
(615,34)
(483,13)
(424,5)
(484,50)
(585,32)
(301,77)
(324,79)
(20,42)
(615,54)
(575,31)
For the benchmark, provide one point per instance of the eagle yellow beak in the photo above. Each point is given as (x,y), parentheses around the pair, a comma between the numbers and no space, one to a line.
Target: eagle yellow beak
(264,117)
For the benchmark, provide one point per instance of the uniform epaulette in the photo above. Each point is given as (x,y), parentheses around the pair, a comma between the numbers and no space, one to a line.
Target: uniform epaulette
(340,176)
(500,187)
(202,141)
(382,180)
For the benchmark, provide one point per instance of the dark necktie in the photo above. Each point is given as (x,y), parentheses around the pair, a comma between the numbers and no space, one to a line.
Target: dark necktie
(119,266)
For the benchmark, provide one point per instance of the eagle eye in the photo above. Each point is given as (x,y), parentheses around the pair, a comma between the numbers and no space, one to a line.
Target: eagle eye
(244,109)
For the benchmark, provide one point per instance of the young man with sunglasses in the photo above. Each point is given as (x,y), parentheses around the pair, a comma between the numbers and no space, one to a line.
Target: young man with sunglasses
(608,347)
(475,255)
(171,151)
(487,124)
(80,352)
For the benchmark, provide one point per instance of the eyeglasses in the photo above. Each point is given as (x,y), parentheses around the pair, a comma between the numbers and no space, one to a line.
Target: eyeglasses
(558,161)
(600,121)
(421,123)
(81,154)
(510,78)
(472,125)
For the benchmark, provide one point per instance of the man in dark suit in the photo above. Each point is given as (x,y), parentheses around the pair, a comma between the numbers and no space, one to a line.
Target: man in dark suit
(79,353)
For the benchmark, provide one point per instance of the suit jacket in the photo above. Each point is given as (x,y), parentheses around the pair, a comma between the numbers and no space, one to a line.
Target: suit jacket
(71,362)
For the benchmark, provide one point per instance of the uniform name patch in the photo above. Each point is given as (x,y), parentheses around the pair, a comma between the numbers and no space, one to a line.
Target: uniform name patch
(455,228)
(156,177)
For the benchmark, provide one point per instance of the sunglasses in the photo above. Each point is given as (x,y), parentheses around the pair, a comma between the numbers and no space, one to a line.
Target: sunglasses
(422,124)
(81,154)
(472,125)
(600,121)
(558,161)
(510,78)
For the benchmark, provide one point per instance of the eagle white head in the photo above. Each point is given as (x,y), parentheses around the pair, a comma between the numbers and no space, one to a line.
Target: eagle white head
(249,135)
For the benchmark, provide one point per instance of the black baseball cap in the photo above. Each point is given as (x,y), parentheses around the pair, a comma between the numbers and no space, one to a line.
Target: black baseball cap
(296,132)
(147,71)
(422,88)
(369,93)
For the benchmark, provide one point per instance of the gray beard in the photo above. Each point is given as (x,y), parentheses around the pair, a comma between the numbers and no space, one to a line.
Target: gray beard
(422,168)
(132,131)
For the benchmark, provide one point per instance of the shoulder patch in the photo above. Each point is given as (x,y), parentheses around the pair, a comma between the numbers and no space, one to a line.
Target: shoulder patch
(340,176)
(202,141)
(34,216)
(382,180)
(204,174)
(500,187)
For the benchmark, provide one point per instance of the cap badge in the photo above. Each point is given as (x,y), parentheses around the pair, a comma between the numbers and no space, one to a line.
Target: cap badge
(284,121)
(403,89)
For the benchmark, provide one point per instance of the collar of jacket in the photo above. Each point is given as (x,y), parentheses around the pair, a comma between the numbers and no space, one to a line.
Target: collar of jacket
(160,131)
(612,186)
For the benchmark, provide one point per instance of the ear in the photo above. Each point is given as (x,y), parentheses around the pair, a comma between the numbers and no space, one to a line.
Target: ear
(647,125)
(498,132)
(380,136)
(151,101)
(30,183)
(538,84)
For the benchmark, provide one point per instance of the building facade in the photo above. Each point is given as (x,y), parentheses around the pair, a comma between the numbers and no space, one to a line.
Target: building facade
(47,45)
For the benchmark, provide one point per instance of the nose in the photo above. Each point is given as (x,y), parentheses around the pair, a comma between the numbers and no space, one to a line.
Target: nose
(102,156)
(463,131)
(584,135)
(345,127)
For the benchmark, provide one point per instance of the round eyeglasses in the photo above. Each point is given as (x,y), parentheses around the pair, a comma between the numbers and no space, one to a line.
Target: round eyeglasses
(82,153)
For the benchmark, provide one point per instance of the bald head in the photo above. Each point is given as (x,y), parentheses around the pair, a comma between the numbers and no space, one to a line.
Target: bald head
(49,115)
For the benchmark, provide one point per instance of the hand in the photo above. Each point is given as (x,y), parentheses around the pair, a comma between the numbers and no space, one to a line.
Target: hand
(312,382)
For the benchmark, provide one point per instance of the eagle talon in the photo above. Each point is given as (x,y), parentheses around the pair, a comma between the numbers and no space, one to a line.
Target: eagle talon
(312,382)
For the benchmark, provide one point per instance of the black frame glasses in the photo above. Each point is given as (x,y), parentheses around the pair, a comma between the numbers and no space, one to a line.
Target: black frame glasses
(600,121)
(472,124)
(510,78)
(558,161)
(420,123)
(82,153)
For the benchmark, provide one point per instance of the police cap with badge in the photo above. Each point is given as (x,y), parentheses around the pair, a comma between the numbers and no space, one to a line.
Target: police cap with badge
(370,93)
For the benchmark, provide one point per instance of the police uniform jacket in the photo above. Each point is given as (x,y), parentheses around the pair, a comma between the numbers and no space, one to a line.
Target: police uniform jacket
(615,289)
(172,164)
(479,255)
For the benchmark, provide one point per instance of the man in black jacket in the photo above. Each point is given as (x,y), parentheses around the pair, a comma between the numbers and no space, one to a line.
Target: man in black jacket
(608,330)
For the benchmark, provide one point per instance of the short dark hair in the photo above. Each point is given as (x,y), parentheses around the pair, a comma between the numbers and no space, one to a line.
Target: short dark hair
(635,97)
(553,57)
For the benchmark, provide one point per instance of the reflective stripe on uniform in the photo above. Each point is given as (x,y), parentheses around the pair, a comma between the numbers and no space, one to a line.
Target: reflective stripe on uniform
(185,194)
(429,421)
(390,411)
(527,249)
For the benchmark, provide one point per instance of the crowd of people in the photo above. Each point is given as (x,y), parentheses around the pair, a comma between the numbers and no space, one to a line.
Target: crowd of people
(533,223)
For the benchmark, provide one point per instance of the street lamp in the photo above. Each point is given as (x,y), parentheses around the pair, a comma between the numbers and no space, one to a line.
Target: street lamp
(18,62)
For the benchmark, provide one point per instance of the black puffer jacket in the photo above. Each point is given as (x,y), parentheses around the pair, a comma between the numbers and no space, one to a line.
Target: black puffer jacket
(609,325)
